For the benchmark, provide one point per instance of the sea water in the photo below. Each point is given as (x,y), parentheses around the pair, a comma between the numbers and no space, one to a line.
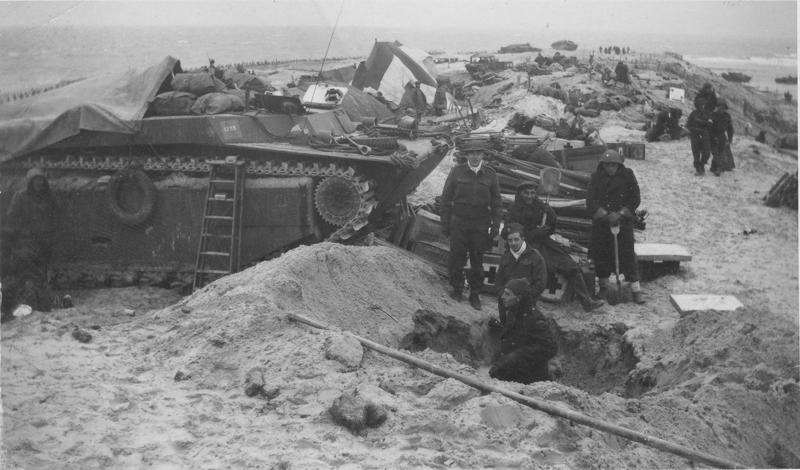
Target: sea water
(44,55)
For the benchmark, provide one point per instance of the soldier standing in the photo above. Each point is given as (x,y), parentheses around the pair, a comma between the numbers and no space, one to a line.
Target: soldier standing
(470,219)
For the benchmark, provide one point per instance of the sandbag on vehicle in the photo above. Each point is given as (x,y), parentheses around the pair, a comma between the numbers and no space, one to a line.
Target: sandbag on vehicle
(173,103)
(197,83)
(249,81)
(217,103)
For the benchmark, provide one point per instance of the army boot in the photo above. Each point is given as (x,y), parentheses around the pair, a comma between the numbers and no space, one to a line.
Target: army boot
(475,300)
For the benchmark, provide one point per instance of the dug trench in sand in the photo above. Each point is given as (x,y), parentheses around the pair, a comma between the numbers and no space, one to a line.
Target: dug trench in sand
(222,378)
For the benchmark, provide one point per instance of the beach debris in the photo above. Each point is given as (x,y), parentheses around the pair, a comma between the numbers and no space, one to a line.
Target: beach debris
(180,376)
(344,349)
(217,341)
(784,192)
(686,304)
(356,413)
(254,382)
(23,310)
(81,335)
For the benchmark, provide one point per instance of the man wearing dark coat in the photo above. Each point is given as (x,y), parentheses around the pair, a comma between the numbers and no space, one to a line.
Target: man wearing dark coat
(28,231)
(520,261)
(612,200)
(708,96)
(420,101)
(470,217)
(538,221)
(699,125)
(621,73)
(526,342)
(440,100)
(721,138)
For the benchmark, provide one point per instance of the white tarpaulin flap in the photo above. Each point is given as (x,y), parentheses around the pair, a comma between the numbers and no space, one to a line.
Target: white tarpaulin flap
(395,79)
(390,66)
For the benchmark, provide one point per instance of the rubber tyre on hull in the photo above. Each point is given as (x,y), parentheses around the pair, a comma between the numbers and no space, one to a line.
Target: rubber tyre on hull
(144,186)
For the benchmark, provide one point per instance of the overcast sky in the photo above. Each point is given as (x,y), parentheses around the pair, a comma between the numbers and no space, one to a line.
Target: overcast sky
(747,18)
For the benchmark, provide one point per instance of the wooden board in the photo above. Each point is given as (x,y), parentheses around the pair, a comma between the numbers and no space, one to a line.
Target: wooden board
(688,303)
(661,252)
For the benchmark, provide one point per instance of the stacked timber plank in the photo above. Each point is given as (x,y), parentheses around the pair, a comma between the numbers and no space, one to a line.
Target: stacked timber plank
(784,192)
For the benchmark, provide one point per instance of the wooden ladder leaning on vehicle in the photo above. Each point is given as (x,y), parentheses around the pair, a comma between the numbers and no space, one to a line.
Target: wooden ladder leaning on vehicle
(218,252)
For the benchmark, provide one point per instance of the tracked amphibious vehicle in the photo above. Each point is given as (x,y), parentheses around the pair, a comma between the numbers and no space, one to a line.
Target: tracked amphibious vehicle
(133,188)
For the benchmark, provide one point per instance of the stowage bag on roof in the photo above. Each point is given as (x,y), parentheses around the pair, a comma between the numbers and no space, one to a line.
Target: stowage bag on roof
(246,80)
(197,83)
(217,103)
(173,103)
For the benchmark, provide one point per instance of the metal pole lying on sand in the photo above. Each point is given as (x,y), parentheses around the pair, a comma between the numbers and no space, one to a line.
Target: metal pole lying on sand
(540,405)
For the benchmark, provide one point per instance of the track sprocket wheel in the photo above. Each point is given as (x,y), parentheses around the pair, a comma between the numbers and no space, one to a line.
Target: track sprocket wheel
(340,199)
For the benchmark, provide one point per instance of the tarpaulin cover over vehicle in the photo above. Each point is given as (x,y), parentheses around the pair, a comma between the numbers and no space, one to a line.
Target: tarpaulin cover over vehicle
(114,103)
(390,66)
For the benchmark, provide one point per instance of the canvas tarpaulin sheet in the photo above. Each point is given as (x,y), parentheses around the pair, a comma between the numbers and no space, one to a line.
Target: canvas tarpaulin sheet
(109,103)
(391,66)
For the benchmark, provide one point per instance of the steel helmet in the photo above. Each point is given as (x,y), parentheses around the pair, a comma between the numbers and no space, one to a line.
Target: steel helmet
(611,156)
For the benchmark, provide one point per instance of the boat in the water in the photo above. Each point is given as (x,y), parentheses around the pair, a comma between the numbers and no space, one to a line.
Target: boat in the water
(737,77)
(787,80)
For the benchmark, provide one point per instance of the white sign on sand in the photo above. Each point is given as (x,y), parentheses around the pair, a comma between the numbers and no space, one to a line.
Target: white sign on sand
(677,94)
(688,303)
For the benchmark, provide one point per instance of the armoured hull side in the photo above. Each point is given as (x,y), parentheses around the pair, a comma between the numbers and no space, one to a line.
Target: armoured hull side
(94,247)
(285,200)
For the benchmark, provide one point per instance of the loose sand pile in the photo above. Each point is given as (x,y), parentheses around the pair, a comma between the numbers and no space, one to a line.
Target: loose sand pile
(165,386)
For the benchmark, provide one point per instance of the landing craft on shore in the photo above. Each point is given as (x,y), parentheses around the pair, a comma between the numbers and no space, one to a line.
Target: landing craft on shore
(787,80)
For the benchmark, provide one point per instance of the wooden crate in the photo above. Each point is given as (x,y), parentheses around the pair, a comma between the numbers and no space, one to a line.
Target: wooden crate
(580,159)
(629,150)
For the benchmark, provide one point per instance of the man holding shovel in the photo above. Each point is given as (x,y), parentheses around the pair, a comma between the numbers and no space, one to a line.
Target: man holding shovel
(612,200)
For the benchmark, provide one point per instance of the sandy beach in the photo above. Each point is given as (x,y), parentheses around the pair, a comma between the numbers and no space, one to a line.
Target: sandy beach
(161,384)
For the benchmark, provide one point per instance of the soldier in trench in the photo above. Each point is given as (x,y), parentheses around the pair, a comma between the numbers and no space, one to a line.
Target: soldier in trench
(526,342)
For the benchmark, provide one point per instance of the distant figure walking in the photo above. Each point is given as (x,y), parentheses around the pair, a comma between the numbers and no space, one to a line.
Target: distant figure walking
(699,125)
(721,139)
(709,97)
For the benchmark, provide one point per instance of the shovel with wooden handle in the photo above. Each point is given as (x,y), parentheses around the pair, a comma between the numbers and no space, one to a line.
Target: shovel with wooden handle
(614,293)
(549,182)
